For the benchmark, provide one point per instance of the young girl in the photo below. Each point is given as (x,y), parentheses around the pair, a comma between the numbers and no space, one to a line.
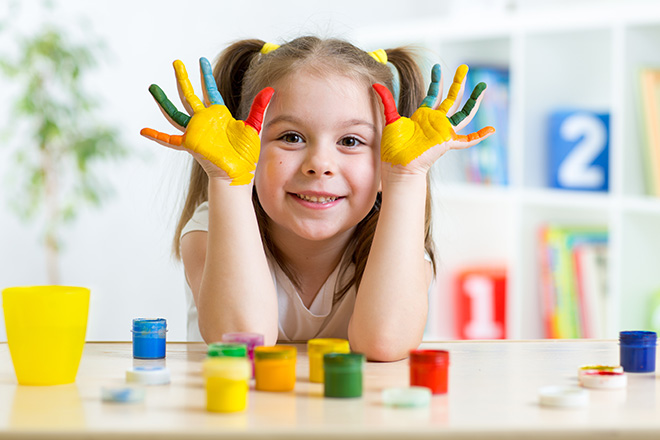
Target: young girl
(309,214)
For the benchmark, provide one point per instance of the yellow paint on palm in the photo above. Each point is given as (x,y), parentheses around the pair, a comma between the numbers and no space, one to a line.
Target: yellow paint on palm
(408,138)
(228,143)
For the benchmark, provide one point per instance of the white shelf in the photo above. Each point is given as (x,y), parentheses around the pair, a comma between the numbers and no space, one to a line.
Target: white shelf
(581,54)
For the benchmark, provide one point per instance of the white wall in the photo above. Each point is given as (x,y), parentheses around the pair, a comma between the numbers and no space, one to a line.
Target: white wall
(122,252)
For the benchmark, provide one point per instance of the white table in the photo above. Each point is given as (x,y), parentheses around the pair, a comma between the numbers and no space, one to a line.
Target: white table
(492,394)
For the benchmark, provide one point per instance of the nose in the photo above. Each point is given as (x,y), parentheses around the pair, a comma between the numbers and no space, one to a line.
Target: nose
(319,161)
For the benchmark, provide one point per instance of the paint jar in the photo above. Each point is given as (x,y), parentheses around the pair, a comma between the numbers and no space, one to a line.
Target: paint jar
(251,340)
(46,328)
(316,348)
(343,374)
(275,368)
(226,383)
(429,368)
(149,338)
(637,351)
(221,349)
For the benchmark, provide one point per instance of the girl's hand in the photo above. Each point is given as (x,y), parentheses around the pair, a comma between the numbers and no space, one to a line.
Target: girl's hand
(416,143)
(224,146)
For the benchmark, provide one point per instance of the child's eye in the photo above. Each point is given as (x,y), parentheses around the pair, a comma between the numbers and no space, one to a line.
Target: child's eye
(350,141)
(291,138)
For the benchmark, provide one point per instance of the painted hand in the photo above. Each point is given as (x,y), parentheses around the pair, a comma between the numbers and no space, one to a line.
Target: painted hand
(405,139)
(212,132)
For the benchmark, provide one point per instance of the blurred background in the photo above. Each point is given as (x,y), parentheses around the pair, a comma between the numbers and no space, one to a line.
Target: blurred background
(549,230)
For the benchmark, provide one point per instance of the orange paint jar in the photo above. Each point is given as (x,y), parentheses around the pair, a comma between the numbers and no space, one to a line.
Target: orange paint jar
(275,368)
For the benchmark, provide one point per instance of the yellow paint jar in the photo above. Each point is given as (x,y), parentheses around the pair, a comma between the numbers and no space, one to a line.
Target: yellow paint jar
(275,368)
(226,383)
(316,348)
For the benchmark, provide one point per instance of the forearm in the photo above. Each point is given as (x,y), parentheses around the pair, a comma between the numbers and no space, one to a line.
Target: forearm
(391,305)
(236,292)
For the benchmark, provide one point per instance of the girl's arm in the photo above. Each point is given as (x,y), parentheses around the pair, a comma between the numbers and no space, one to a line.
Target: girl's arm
(392,303)
(226,267)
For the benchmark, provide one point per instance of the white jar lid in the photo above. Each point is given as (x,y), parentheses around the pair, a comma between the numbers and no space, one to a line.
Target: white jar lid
(563,396)
(407,397)
(148,375)
(122,394)
(587,368)
(604,380)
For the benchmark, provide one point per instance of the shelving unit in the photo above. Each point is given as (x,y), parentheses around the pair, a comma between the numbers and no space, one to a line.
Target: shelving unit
(559,54)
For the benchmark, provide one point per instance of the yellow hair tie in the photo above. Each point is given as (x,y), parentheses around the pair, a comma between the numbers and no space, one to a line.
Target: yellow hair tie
(269,47)
(379,55)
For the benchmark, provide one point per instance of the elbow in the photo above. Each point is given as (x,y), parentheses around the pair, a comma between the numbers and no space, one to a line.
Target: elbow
(384,348)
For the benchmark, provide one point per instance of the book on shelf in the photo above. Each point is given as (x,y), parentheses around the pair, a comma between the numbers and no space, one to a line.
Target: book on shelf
(573,280)
(486,162)
(649,93)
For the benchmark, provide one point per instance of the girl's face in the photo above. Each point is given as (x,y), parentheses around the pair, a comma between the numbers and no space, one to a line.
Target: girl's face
(319,168)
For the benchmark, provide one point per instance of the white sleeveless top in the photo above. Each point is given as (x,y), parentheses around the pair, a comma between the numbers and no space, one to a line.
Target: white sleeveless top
(296,322)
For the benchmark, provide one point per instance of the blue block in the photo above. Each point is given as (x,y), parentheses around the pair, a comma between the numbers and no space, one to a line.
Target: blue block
(578,150)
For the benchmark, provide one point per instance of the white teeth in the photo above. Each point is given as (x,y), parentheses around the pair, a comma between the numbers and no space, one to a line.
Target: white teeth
(315,199)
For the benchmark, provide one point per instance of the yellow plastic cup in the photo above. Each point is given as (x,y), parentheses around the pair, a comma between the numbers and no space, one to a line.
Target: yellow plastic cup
(318,347)
(226,383)
(46,328)
(275,368)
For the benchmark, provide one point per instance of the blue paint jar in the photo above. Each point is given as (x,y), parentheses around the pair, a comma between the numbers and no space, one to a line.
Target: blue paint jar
(637,351)
(149,338)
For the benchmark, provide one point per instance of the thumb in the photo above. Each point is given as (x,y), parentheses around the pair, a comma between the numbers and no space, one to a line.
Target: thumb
(391,113)
(261,101)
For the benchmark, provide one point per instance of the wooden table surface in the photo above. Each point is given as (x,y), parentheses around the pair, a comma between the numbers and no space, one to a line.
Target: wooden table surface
(493,393)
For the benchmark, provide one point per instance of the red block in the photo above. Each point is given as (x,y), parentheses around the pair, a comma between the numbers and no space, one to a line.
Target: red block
(481,303)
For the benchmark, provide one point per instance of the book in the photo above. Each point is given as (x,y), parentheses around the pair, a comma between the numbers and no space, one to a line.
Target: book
(650,119)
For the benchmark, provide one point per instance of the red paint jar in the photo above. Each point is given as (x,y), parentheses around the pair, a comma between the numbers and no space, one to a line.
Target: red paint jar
(429,368)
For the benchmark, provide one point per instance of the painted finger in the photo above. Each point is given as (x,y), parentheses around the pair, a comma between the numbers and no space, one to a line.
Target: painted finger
(462,118)
(454,90)
(391,113)
(258,108)
(186,88)
(173,141)
(435,88)
(211,93)
(178,119)
(468,140)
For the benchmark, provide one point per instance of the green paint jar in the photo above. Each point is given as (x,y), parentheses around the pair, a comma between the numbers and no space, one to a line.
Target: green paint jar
(343,374)
(224,349)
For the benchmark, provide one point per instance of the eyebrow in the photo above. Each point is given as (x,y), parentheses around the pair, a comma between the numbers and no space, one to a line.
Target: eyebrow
(346,124)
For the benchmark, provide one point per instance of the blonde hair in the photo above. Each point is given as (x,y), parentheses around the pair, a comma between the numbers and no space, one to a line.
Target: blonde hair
(241,71)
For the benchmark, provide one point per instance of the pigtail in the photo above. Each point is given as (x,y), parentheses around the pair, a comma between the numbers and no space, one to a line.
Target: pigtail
(411,80)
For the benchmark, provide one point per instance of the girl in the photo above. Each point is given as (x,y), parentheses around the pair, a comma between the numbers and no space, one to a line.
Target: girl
(311,218)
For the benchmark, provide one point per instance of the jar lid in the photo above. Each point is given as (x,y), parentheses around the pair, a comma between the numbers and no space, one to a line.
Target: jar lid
(440,357)
(328,345)
(148,375)
(234,368)
(275,352)
(343,360)
(250,339)
(588,368)
(233,349)
(604,380)
(638,336)
(563,396)
(407,397)
(149,325)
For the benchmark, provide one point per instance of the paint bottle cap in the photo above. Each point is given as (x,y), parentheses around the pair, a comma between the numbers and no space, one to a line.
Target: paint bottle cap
(231,349)
(343,361)
(604,380)
(439,357)
(227,367)
(588,368)
(250,339)
(327,345)
(148,375)
(407,397)
(563,396)
(638,337)
(122,394)
(275,352)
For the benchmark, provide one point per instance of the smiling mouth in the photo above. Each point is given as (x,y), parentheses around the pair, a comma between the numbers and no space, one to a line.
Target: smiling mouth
(315,199)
